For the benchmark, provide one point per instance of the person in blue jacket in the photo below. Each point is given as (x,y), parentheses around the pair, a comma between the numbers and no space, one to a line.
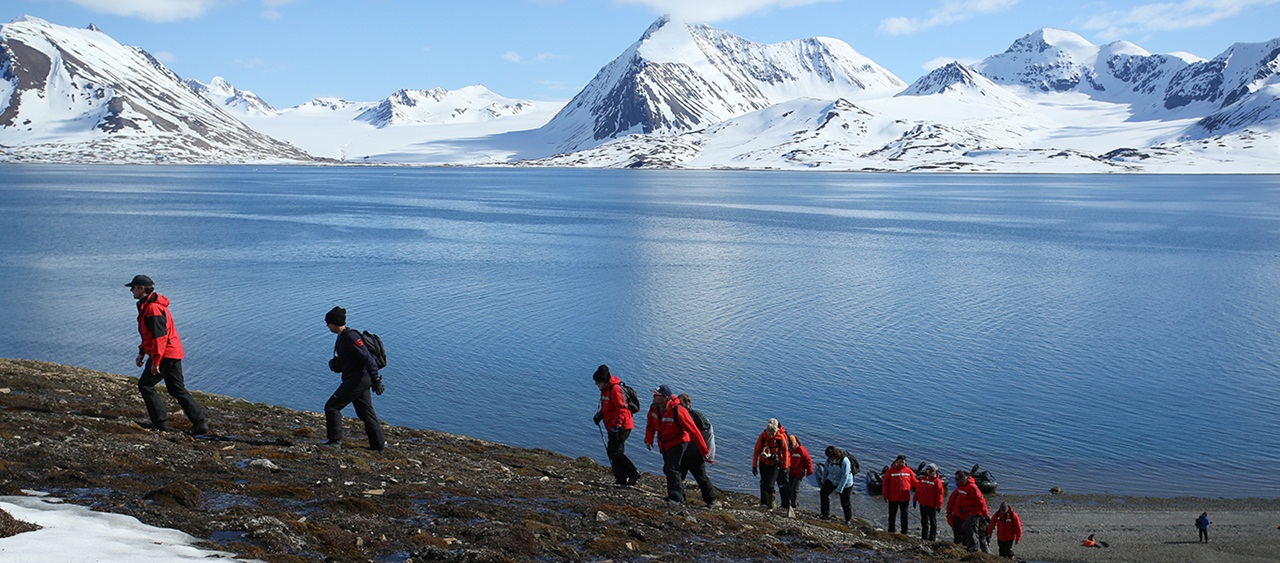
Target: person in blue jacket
(835,475)
(1203,524)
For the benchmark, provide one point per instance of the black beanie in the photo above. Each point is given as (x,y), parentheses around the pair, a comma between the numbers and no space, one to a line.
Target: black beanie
(602,373)
(336,316)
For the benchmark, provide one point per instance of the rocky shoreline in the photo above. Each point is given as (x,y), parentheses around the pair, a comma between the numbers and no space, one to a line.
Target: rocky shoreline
(262,488)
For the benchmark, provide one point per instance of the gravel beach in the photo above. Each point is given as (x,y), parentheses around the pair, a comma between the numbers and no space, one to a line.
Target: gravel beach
(1145,529)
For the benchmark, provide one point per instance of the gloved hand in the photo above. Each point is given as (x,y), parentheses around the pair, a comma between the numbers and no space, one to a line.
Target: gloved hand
(709,461)
(649,445)
(755,470)
(334,365)
(598,418)
(377,385)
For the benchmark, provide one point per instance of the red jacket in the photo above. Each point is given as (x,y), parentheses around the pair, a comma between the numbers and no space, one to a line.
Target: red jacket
(675,427)
(776,449)
(1006,526)
(966,501)
(897,484)
(929,491)
(801,464)
(613,406)
(155,325)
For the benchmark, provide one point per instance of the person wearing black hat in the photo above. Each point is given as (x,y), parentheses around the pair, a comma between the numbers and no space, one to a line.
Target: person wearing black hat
(160,342)
(618,419)
(359,374)
(674,433)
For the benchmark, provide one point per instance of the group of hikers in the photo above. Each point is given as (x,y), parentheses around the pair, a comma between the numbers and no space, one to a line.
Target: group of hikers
(686,438)
(161,352)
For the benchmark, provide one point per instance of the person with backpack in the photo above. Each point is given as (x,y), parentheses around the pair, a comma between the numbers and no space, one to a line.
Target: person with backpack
(771,462)
(616,414)
(896,486)
(835,475)
(1007,528)
(161,352)
(359,372)
(967,513)
(801,466)
(930,490)
(675,431)
(1202,524)
(697,464)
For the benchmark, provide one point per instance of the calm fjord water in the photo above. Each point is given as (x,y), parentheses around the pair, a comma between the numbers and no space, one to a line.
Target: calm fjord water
(1115,334)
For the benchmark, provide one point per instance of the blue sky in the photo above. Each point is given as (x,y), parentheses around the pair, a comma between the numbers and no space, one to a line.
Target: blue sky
(290,51)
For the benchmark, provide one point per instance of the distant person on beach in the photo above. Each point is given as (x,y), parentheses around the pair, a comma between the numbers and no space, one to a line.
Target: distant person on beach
(929,493)
(675,432)
(161,351)
(695,463)
(895,488)
(359,374)
(967,511)
(835,475)
(1202,524)
(771,461)
(617,419)
(1007,527)
(801,466)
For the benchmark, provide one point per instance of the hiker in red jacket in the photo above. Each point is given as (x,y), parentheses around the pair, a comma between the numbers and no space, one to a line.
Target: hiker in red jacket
(617,418)
(801,467)
(162,351)
(896,486)
(929,493)
(771,461)
(675,432)
(1007,527)
(967,511)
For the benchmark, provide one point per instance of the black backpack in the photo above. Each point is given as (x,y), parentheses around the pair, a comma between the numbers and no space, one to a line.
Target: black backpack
(374,345)
(633,400)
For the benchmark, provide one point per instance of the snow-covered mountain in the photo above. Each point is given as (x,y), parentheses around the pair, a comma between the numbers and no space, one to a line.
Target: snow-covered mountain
(222,93)
(679,78)
(681,96)
(78,95)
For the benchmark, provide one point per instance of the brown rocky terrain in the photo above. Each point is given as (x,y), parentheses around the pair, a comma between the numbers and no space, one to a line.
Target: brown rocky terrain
(263,488)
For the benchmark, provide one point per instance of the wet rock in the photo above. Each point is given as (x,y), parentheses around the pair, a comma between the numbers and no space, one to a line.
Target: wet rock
(273,532)
(180,493)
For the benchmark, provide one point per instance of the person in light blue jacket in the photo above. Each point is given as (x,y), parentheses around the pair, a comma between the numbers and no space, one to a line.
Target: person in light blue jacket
(836,475)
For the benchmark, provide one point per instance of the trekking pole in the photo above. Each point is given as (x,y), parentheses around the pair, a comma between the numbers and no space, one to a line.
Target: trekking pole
(602,442)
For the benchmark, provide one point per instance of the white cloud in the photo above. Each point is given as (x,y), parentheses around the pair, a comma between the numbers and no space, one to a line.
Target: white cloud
(152,10)
(934,64)
(953,11)
(514,57)
(1169,16)
(707,11)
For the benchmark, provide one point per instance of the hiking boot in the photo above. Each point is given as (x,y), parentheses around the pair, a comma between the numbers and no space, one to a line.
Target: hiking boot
(200,428)
(158,426)
(633,479)
(331,444)
(378,447)
(713,505)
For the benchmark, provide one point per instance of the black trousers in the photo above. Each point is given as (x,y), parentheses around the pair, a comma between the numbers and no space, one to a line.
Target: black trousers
(769,475)
(623,469)
(1006,548)
(845,501)
(791,490)
(693,463)
(957,532)
(894,509)
(928,523)
(171,375)
(354,391)
(672,461)
(1204,535)
(975,534)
